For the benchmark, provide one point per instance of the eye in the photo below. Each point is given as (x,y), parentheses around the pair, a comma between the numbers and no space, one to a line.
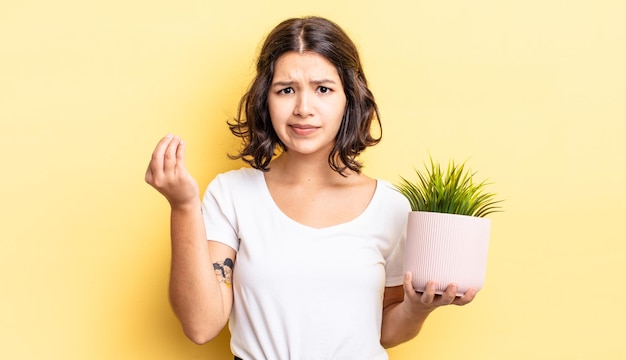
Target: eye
(285,91)
(324,89)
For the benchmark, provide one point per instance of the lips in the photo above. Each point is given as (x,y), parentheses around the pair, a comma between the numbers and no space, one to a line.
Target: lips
(303,129)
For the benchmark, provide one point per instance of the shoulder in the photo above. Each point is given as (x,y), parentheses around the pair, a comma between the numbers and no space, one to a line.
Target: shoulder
(242,176)
(233,183)
(390,196)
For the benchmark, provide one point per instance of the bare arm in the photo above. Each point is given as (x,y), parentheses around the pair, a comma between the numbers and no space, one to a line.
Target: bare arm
(200,296)
(405,310)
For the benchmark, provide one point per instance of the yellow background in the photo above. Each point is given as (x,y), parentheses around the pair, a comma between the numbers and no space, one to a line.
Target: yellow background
(532,92)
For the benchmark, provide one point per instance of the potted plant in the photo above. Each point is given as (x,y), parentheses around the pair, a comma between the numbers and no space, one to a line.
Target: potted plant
(447,232)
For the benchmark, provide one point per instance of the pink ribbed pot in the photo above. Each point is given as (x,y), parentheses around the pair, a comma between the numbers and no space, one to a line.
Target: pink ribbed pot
(447,248)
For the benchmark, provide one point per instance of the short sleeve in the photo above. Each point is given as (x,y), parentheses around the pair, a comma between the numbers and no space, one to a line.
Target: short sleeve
(397,209)
(394,269)
(218,212)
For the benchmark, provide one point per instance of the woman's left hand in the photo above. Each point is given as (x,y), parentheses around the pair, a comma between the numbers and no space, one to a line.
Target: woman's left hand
(429,301)
(405,313)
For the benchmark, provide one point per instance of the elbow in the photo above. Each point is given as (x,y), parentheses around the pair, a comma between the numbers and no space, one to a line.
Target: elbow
(201,336)
(387,344)
(200,329)
(200,333)
(199,340)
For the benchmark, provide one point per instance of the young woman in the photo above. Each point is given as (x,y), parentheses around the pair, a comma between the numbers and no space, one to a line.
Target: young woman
(304,252)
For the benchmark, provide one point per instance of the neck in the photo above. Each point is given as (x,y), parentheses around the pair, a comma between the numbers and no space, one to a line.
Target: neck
(300,169)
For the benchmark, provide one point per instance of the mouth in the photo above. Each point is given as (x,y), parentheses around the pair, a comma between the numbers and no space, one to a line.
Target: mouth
(303,129)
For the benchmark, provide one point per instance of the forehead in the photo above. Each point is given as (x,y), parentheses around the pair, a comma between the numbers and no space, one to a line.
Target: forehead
(309,64)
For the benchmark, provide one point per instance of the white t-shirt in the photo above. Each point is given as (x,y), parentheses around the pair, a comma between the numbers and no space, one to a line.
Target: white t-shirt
(299,292)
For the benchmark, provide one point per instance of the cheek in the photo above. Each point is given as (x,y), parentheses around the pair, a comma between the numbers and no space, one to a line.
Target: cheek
(276,109)
(340,110)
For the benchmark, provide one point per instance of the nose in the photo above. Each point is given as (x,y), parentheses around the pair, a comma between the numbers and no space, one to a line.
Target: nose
(303,104)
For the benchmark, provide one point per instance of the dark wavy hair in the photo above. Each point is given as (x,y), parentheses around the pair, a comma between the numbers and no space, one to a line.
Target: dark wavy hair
(322,36)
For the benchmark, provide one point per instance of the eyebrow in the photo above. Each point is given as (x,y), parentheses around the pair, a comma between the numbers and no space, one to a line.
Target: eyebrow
(291,82)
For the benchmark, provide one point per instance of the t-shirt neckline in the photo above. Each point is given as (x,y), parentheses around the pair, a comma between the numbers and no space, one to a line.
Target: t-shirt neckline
(276,209)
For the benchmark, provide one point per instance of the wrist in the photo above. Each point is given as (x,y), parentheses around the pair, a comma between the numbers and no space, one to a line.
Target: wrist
(189,206)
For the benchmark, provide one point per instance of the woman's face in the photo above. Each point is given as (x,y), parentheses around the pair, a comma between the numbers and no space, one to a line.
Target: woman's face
(306,102)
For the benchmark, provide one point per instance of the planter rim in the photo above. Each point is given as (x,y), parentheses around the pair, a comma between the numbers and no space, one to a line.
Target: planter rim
(435,213)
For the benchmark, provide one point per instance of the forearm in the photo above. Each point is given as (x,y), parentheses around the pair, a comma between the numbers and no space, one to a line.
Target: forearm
(401,323)
(195,292)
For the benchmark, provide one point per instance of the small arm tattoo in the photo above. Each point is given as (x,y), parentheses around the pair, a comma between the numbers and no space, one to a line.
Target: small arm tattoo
(224,271)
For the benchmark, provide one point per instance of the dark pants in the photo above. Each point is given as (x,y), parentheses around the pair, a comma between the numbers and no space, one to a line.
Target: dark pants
(236,358)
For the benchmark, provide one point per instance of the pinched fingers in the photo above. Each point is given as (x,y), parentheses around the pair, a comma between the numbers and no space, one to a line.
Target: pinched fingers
(155,167)
(167,165)
(171,156)
(180,156)
(167,173)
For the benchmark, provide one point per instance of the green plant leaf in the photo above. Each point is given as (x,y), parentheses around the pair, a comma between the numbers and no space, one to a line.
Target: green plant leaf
(451,191)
